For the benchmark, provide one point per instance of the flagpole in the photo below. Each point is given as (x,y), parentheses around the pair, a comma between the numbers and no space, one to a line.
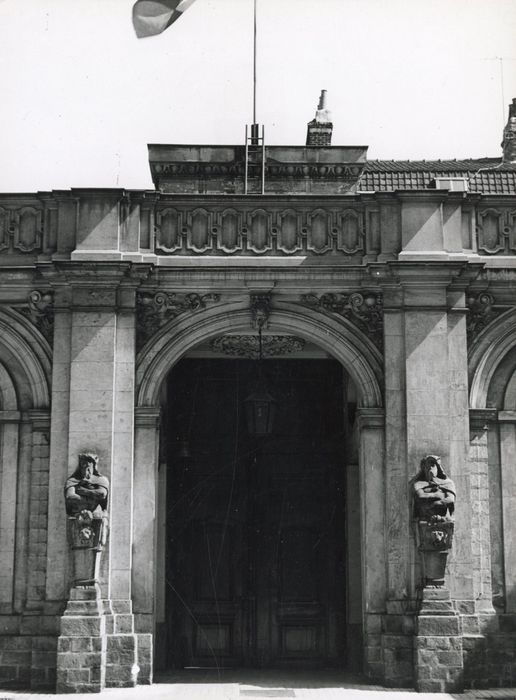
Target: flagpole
(254,66)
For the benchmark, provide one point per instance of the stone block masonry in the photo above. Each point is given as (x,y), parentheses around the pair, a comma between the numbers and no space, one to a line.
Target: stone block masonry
(81,647)
(15,661)
(438,660)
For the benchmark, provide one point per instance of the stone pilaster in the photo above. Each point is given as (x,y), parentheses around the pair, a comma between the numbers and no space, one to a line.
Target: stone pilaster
(371,423)
(479,486)
(100,379)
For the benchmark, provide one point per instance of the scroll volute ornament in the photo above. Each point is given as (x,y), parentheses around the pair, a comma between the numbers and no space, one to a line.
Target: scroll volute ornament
(433,506)
(86,496)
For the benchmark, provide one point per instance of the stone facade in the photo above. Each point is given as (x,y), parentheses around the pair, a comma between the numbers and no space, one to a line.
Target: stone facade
(411,290)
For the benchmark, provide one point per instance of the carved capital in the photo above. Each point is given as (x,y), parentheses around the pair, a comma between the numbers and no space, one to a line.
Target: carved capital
(371,418)
(363,309)
(479,419)
(147,417)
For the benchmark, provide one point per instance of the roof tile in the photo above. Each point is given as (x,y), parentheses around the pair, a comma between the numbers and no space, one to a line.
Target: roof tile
(485,175)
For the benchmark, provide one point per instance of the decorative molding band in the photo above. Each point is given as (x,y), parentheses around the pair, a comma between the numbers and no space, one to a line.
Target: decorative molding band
(173,170)
(147,417)
(370,418)
(154,309)
(40,311)
(507,416)
(363,309)
(479,418)
(245,231)
(40,419)
(248,345)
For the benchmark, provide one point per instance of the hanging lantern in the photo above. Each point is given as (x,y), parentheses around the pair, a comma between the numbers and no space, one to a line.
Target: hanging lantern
(260,406)
(260,409)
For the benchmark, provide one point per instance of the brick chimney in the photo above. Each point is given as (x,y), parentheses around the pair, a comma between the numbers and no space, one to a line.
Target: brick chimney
(509,135)
(320,128)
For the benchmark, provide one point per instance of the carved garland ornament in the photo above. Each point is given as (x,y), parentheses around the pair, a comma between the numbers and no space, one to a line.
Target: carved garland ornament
(365,310)
(155,309)
(248,345)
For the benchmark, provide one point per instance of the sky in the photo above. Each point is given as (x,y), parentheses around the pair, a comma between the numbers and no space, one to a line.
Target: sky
(81,96)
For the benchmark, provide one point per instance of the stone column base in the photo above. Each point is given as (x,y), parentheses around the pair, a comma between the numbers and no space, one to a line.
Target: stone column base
(81,647)
(438,658)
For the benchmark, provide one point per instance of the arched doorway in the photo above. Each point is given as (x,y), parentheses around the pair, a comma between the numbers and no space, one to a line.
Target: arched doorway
(286,638)
(255,554)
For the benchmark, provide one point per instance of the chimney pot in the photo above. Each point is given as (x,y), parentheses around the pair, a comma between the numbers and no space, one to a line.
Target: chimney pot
(322,100)
(320,128)
(509,135)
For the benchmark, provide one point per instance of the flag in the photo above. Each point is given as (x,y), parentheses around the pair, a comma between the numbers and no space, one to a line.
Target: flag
(151,17)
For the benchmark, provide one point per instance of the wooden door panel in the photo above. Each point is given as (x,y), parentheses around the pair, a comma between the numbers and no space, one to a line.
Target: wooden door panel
(254,555)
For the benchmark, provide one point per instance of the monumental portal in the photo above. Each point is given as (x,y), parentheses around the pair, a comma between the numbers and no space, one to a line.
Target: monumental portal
(261,416)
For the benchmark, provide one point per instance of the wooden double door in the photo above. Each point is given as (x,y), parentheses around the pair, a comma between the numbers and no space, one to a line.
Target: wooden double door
(255,526)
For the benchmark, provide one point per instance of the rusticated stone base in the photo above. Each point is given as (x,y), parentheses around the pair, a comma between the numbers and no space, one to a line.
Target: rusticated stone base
(81,647)
(438,648)
(122,658)
(145,658)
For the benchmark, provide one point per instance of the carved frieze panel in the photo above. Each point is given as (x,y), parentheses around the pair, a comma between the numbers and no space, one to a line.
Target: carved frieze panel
(274,169)
(21,229)
(230,228)
(289,226)
(349,232)
(153,310)
(319,234)
(496,231)
(248,345)
(260,225)
(363,309)
(168,230)
(259,231)
(512,230)
(199,230)
(5,218)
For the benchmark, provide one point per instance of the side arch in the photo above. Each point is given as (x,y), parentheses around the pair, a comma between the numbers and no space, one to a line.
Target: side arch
(338,337)
(26,356)
(25,370)
(487,353)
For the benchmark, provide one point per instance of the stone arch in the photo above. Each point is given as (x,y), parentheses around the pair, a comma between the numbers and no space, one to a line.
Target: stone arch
(338,337)
(487,355)
(509,401)
(26,356)
(334,334)
(25,369)
(8,398)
